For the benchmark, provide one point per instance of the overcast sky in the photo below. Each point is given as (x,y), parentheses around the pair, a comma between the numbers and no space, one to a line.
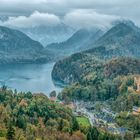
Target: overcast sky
(76,13)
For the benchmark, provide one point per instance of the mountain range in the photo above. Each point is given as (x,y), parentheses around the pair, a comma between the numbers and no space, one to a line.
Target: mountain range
(122,40)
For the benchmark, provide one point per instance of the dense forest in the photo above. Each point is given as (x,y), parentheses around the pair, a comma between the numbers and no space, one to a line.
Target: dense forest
(33,116)
(95,79)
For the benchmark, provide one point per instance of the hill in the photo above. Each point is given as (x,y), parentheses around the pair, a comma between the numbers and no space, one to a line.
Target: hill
(71,69)
(76,67)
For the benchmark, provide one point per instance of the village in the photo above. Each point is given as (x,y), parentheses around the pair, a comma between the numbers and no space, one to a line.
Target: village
(100,114)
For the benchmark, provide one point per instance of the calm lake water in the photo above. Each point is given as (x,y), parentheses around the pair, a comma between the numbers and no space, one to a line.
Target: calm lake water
(28,77)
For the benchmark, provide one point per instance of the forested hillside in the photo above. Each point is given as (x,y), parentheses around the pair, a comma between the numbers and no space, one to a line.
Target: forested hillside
(26,116)
(112,82)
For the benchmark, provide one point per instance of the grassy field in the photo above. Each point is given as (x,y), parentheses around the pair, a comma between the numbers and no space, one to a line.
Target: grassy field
(137,139)
(83,121)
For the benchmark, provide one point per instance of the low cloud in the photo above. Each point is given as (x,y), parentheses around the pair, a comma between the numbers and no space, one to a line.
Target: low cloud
(34,20)
(88,19)
(102,9)
(80,18)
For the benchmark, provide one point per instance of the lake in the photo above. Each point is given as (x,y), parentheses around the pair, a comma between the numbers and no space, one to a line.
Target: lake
(28,77)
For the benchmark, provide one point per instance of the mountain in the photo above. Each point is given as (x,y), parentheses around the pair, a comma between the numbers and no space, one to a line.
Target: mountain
(47,35)
(78,42)
(16,47)
(121,40)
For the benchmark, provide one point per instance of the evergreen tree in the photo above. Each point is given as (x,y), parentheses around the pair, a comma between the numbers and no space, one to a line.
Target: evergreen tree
(89,135)
(93,134)
(21,122)
(75,125)
(61,125)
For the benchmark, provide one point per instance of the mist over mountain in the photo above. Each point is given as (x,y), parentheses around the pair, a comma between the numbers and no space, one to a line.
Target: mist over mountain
(49,34)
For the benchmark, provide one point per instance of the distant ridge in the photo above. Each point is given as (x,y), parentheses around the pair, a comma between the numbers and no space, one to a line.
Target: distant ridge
(121,40)
(78,42)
